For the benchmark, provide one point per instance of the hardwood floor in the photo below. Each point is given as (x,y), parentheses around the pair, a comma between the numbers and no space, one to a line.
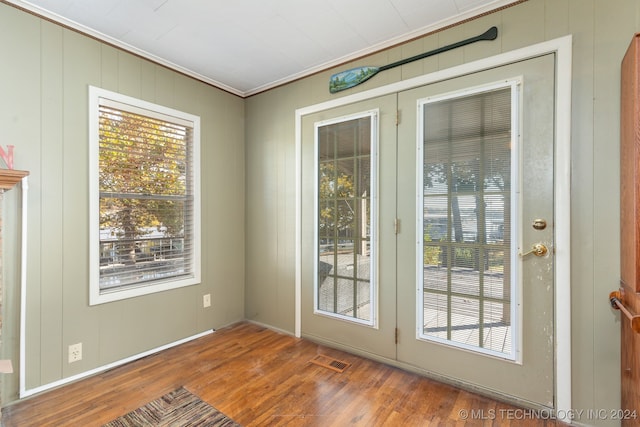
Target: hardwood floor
(260,377)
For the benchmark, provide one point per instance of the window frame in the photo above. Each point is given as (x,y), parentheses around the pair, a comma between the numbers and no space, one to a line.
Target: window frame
(373,115)
(97,97)
(515,86)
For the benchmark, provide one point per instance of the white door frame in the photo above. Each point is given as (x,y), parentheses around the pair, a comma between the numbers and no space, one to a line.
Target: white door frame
(562,47)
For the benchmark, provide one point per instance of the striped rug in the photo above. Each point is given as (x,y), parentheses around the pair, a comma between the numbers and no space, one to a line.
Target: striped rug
(179,408)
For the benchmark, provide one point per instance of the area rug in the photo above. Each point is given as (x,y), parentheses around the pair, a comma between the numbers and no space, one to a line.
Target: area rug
(179,408)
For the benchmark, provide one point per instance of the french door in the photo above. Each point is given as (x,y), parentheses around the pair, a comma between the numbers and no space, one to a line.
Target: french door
(348,211)
(444,260)
(478,296)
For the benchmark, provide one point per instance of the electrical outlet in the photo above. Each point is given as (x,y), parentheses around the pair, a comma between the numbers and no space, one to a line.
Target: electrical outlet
(206,300)
(75,352)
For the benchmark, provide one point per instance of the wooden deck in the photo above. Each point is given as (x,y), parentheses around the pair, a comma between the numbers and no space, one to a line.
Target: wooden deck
(260,377)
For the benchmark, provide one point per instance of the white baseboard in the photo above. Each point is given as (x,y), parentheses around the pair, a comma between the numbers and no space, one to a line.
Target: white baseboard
(64,381)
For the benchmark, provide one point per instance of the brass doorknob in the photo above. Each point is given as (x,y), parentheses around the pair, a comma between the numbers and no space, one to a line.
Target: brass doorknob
(538,250)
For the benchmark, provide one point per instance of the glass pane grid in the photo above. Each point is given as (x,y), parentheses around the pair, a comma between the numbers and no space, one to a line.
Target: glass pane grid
(466,221)
(344,286)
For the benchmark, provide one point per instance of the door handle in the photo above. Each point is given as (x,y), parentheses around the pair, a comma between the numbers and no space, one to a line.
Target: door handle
(538,250)
(615,299)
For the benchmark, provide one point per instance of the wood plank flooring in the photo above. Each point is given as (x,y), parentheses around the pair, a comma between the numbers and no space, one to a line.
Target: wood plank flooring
(260,377)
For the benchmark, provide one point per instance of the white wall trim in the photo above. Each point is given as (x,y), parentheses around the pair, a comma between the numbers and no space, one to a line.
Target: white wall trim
(563,225)
(562,47)
(23,284)
(26,393)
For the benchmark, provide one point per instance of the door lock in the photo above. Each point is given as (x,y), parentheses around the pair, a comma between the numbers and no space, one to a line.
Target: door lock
(539,224)
(538,250)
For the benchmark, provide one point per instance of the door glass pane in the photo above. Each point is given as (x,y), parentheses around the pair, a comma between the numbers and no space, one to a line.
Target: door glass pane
(344,271)
(466,211)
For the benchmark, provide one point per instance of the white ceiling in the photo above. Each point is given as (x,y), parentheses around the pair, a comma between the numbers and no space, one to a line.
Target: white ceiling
(248,46)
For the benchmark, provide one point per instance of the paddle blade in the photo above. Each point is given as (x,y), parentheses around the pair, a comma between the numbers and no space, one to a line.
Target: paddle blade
(350,78)
(490,34)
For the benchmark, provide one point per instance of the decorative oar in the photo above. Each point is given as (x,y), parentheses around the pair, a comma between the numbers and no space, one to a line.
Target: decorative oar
(355,76)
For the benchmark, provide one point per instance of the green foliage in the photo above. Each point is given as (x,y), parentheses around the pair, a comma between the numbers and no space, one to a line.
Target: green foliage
(496,261)
(431,254)
(336,191)
(465,257)
(143,169)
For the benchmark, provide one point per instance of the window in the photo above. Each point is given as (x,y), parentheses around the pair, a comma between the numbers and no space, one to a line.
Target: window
(144,197)
(467,205)
(345,224)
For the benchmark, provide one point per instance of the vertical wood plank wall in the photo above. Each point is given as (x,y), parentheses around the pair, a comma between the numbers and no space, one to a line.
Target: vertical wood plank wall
(44,78)
(249,185)
(601,32)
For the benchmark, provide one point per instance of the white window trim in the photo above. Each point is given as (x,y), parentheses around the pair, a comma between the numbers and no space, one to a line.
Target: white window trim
(515,84)
(97,96)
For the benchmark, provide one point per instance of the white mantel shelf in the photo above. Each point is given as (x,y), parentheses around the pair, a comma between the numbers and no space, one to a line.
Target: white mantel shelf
(10,177)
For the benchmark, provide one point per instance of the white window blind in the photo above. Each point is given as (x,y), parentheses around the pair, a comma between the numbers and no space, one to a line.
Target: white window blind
(467,210)
(146,199)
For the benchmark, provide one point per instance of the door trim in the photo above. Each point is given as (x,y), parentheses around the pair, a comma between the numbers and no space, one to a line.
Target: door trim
(562,48)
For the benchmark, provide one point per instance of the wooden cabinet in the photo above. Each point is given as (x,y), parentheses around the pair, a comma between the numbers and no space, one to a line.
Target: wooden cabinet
(629,295)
